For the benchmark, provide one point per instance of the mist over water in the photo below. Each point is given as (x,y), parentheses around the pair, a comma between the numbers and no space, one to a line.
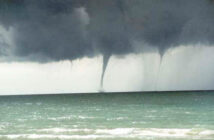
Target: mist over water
(129,73)
(133,72)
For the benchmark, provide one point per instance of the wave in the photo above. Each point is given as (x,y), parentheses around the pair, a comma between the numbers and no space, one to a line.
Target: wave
(61,130)
(137,133)
(70,118)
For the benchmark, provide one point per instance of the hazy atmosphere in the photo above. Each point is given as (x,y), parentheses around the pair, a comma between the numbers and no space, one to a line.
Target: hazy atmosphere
(69,46)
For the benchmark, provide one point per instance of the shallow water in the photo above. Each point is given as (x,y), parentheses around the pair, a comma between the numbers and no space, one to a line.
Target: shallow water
(133,116)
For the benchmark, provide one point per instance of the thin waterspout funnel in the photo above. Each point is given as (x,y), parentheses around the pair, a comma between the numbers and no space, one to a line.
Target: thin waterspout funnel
(106,58)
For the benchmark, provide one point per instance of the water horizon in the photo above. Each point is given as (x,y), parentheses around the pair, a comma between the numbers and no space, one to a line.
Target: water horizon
(112,92)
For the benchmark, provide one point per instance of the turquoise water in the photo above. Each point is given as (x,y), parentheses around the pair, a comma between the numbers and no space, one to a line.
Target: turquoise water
(133,116)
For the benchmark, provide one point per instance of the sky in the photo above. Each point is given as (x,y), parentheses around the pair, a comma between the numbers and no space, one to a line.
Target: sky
(74,46)
(183,68)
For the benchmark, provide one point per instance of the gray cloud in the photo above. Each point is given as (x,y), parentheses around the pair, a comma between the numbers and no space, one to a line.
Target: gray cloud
(47,28)
(54,28)
(164,24)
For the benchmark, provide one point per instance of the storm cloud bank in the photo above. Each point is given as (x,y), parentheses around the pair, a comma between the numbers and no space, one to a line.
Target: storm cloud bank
(53,30)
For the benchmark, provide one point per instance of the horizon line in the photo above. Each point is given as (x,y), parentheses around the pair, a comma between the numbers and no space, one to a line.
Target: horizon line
(103,92)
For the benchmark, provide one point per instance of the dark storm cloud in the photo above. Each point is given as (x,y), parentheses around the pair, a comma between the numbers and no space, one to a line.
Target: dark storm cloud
(169,23)
(54,28)
(46,27)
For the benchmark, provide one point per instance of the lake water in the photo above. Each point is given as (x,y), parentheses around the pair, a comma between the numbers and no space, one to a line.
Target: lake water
(115,116)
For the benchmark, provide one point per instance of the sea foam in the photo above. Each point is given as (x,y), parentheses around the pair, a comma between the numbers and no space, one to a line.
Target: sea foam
(138,133)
